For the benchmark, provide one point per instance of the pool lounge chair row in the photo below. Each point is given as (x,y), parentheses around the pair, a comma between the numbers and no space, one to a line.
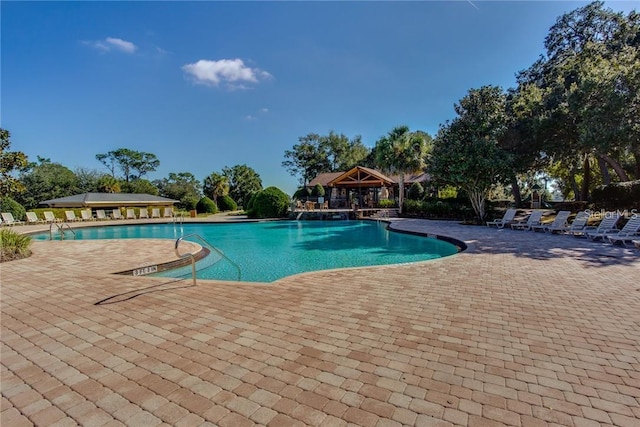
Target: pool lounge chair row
(607,230)
(85,215)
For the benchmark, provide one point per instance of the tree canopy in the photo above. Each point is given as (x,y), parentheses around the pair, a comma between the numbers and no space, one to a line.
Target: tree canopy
(133,164)
(10,162)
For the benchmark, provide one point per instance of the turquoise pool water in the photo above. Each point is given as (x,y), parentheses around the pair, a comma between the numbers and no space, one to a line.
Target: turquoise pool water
(268,251)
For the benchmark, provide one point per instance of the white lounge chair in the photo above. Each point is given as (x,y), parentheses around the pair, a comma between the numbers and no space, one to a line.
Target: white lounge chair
(50,217)
(168,212)
(558,224)
(71,216)
(155,213)
(144,213)
(628,233)
(86,215)
(606,226)
(32,218)
(579,223)
(507,219)
(8,219)
(101,215)
(131,214)
(534,219)
(116,214)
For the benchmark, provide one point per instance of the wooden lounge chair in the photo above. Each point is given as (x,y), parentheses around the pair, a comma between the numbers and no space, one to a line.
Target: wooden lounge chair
(7,218)
(507,219)
(534,219)
(628,233)
(606,226)
(559,223)
(131,214)
(32,218)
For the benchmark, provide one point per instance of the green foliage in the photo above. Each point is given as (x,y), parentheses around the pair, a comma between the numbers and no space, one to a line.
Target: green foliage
(618,196)
(7,204)
(226,203)
(318,191)
(416,191)
(87,180)
(449,208)
(269,203)
(45,181)
(206,205)
(216,185)
(387,203)
(139,186)
(10,161)
(188,202)
(302,193)
(108,184)
(251,202)
(243,181)
(133,164)
(181,186)
(13,245)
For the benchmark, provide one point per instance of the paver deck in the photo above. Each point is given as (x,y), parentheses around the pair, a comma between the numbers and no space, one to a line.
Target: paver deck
(523,329)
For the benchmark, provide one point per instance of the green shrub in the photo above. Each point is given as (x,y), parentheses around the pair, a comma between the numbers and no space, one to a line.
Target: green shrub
(387,203)
(206,205)
(226,203)
(416,191)
(302,193)
(13,245)
(318,191)
(269,203)
(7,204)
(617,196)
(188,203)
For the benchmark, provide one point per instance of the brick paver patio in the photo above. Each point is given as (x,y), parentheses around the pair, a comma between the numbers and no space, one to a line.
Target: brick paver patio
(523,329)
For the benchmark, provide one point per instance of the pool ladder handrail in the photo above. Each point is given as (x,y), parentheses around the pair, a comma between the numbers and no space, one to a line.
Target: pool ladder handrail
(178,218)
(193,258)
(61,226)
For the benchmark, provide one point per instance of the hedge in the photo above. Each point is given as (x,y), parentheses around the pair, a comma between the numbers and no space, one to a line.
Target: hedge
(620,195)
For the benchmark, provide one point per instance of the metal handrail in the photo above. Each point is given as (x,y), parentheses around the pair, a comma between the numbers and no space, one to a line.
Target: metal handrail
(193,258)
(60,226)
(178,218)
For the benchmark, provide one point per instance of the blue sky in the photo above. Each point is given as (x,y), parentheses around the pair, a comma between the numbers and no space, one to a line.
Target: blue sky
(204,85)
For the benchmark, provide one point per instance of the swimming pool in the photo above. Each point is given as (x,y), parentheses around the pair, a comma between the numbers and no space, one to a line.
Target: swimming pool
(268,251)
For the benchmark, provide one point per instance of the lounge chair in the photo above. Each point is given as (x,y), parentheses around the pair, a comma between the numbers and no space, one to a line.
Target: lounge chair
(86,215)
(32,218)
(606,226)
(131,214)
(559,223)
(636,243)
(579,223)
(50,217)
(71,216)
(101,215)
(8,219)
(155,213)
(168,212)
(144,213)
(628,233)
(534,219)
(116,214)
(507,219)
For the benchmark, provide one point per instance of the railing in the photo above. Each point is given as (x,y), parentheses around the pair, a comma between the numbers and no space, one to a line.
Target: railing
(193,258)
(61,226)
(178,218)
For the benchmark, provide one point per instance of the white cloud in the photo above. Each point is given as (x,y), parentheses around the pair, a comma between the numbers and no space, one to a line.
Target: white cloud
(113,43)
(264,110)
(233,72)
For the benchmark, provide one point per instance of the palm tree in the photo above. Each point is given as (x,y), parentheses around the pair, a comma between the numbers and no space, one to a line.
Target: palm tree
(401,152)
(217,185)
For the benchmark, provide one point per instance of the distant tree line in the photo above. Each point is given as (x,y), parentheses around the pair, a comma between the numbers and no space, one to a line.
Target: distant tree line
(30,183)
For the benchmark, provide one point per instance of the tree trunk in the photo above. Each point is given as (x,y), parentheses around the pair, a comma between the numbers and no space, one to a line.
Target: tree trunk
(606,177)
(586,179)
(478,198)
(574,186)
(401,193)
(622,174)
(515,190)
